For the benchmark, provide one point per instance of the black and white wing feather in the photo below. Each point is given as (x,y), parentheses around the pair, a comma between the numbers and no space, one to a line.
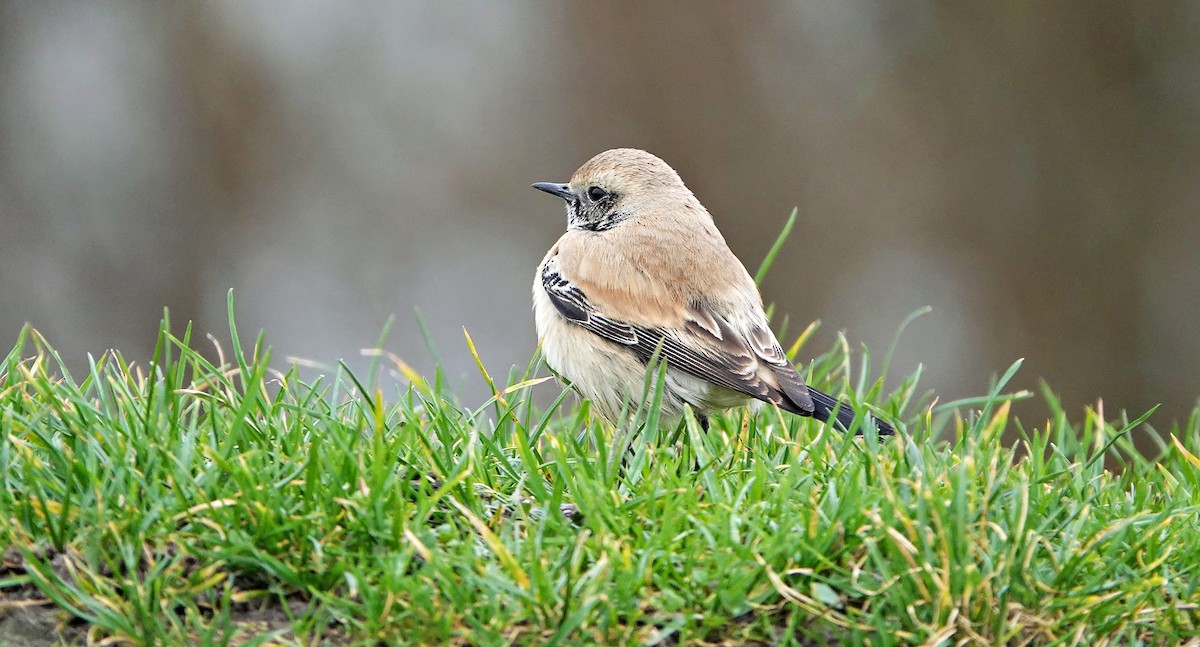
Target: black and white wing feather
(706,346)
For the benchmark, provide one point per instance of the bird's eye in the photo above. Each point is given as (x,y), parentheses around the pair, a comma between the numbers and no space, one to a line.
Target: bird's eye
(596,193)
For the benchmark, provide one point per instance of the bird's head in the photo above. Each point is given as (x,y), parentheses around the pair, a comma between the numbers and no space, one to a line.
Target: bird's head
(616,186)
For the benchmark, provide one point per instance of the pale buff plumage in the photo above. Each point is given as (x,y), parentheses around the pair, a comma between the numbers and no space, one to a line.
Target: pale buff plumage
(643,268)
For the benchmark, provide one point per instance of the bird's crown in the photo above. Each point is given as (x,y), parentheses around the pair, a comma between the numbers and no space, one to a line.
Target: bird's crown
(623,184)
(627,169)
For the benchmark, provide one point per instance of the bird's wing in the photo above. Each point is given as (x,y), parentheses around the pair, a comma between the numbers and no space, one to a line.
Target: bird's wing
(704,344)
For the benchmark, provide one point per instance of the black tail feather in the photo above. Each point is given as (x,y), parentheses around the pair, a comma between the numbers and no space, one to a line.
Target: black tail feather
(823,406)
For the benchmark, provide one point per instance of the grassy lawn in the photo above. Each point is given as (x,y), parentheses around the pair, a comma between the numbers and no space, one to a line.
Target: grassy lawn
(189,502)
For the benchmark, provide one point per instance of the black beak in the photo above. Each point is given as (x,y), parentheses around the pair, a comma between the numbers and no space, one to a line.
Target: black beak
(561,190)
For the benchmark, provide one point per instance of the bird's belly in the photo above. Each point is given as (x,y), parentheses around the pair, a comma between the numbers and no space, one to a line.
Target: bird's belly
(601,371)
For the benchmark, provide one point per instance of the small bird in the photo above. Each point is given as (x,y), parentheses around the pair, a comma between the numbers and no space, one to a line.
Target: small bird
(642,269)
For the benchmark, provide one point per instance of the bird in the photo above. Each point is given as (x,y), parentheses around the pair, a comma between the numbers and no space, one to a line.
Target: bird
(643,274)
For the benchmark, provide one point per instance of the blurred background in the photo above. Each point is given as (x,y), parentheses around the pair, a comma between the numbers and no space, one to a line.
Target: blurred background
(1029,170)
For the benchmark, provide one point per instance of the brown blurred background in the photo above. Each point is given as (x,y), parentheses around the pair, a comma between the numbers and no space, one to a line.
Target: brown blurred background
(1030,170)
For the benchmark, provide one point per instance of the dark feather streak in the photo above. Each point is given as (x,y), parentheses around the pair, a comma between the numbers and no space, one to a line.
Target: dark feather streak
(730,364)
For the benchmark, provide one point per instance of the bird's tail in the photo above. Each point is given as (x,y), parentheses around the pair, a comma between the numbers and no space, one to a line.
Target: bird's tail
(824,406)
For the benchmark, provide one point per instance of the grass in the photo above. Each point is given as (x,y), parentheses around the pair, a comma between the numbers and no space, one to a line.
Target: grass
(194,502)
(197,502)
